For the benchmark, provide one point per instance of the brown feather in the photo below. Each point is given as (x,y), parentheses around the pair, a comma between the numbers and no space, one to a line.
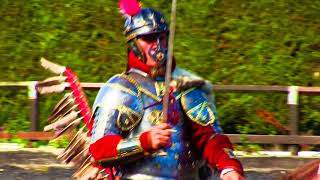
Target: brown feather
(62,122)
(66,97)
(91,172)
(51,81)
(74,151)
(75,137)
(52,89)
(77,149)
(63,111)
(80,157)
(55,68)
(84,172)
(81,170)
(76,143)
(102,175)
(65,101)
(71,126)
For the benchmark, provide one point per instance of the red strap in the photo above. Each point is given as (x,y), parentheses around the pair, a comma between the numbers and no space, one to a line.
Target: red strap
(80,98)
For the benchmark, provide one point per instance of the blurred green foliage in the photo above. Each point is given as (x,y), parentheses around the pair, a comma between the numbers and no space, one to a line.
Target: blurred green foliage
(261,42)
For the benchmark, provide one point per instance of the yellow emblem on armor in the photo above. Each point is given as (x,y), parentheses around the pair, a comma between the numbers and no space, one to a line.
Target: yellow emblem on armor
(201,112)
(127,118)
(155,117)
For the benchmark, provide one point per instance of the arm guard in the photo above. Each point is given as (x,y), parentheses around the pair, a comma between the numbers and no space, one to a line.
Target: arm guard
(127,151)
(118,110)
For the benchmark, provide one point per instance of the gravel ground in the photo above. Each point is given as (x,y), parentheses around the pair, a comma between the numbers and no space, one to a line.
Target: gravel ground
(41,164)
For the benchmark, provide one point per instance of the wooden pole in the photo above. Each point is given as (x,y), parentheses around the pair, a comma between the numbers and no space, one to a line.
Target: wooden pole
(293,102)
(34,103)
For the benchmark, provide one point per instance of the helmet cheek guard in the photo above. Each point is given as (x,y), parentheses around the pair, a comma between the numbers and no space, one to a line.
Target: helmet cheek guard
(136,50)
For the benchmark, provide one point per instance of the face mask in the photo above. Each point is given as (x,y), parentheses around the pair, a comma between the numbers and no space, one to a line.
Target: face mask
(159,53)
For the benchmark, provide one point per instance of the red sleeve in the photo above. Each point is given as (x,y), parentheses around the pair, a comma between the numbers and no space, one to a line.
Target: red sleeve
(105,147)
(214,147)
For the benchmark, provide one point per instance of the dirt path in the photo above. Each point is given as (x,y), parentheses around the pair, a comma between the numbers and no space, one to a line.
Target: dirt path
(41,164)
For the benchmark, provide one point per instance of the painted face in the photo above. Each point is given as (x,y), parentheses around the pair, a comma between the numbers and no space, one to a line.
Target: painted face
(154,48)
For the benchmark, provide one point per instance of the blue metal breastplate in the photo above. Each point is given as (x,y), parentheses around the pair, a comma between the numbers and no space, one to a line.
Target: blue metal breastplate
(128,105)
(179,160)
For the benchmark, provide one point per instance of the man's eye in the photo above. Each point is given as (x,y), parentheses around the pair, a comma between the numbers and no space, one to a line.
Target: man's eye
(150,38)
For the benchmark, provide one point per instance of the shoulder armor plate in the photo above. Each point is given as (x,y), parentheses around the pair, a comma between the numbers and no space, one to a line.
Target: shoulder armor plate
(196,106)
(121,98)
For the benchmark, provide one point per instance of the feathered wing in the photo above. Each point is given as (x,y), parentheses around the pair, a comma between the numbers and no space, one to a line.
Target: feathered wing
(67,116)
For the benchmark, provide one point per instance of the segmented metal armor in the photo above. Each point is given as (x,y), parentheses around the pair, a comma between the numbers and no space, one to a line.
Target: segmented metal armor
(129,104)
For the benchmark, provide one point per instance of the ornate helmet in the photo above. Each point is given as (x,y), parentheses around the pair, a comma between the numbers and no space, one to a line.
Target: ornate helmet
(146,21)
(142,22)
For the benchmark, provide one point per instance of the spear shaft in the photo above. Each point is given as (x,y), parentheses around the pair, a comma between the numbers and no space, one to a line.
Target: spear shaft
(169,61)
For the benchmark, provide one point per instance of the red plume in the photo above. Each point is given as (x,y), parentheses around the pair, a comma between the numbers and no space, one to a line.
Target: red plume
(129,7)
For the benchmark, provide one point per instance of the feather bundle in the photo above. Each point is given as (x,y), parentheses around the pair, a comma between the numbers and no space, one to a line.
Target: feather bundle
(129,7)
(64,117)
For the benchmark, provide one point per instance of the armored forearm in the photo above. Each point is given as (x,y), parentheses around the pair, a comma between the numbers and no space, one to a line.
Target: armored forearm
(128,150)
(113,150)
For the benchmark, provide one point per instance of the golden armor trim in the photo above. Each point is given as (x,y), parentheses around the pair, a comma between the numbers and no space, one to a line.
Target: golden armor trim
(141,89)
(131,36)
(122,88)
(155,117)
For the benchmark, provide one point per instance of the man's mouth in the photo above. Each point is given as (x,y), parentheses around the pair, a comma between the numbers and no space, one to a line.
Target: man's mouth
(158,54)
